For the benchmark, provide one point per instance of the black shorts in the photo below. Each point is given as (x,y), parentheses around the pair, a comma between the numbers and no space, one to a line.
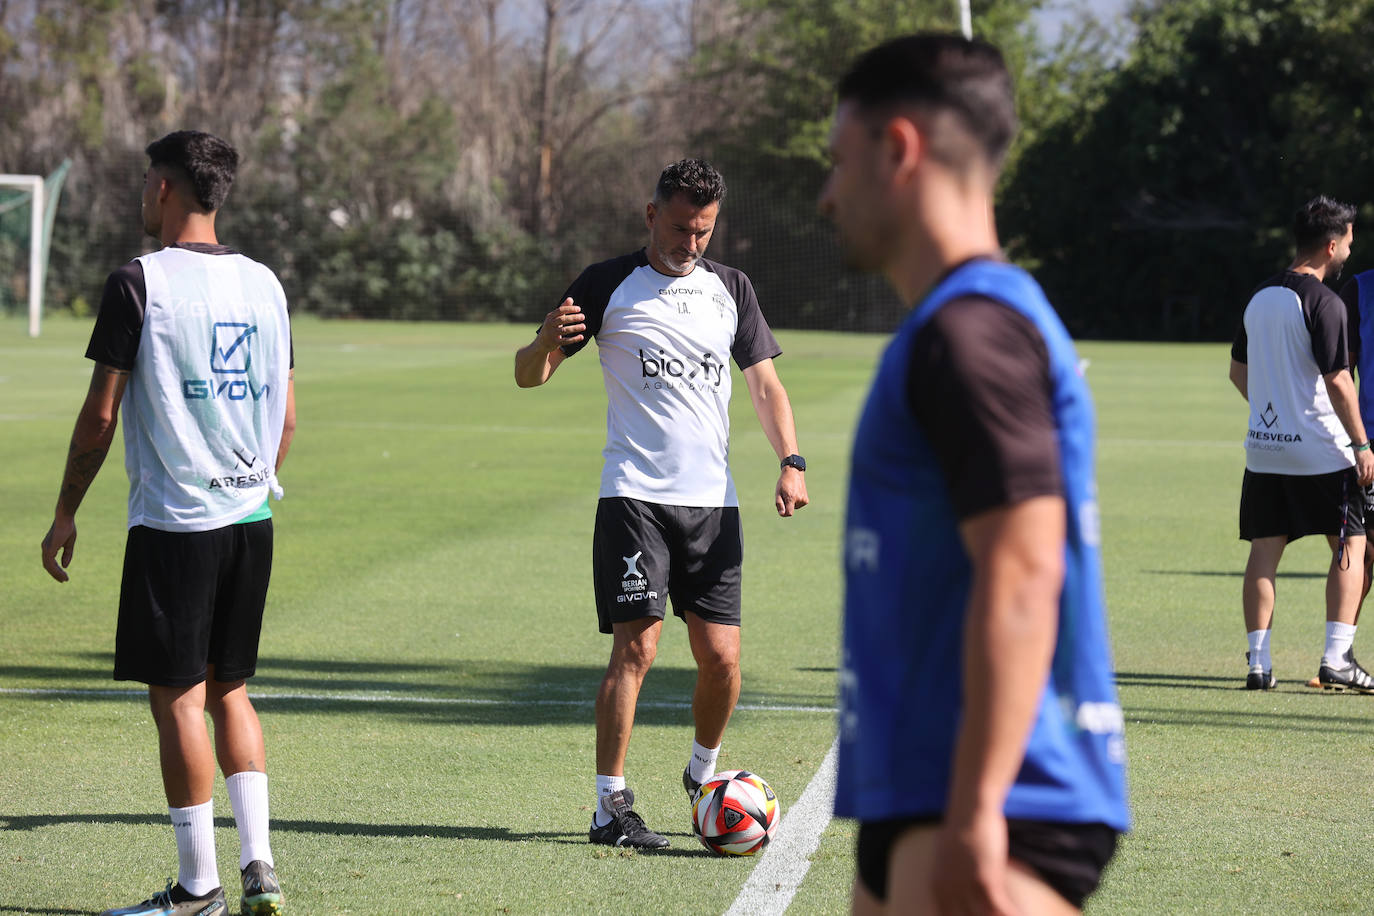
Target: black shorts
(643,553)
(192,599)
(1292,505)
(1068,857)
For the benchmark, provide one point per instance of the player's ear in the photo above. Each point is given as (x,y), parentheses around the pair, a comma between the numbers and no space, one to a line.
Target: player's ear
(164,186)
(903,144)
(649,214)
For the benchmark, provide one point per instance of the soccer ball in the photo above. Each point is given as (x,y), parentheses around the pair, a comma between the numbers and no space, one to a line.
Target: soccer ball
(735,813)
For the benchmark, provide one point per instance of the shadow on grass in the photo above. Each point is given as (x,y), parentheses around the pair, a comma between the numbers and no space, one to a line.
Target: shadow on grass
(1178,681)
(1329,725)
(6,908)
(1228,573)
(465,692)
(344,828)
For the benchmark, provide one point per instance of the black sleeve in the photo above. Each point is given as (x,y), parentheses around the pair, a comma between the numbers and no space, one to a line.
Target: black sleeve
(1329,345)
(1240,347)
(979,386)
(1350,295)
(754,341)
(119,323)
(591,292)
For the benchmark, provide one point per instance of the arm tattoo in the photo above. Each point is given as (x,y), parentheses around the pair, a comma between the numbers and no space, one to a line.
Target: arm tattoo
(81,470)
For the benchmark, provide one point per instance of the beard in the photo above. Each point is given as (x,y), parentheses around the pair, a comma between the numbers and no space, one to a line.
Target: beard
(681,264)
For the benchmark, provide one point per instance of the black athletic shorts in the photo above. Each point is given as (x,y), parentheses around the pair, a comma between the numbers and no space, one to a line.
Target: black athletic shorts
(192,599)
(1068,857)
(1295,505)
(643,553)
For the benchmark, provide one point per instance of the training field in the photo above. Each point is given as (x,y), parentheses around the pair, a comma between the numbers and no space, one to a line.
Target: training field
(430,653)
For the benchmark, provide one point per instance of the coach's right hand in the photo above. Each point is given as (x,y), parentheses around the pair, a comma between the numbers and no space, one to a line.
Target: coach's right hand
(564,325)
(1364,466)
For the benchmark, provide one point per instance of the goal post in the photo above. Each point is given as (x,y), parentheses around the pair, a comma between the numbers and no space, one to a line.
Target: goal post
(41,194)
(33,184)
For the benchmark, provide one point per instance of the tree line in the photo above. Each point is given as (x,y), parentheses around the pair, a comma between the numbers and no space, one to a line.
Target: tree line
(464,159)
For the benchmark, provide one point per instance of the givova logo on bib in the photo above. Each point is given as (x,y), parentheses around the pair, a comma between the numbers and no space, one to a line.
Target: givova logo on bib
(662,370)
(231,356)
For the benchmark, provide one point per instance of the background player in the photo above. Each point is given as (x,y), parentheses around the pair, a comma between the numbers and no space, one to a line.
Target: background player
(1306,453)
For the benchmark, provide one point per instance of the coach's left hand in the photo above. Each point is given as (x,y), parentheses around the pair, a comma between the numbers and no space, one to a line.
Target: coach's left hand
(791,492)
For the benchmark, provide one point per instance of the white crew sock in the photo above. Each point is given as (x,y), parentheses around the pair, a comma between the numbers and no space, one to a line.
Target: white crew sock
(1259,650)
(1339,636)
(701,766)
(197,872)
(605,785)
(248,796)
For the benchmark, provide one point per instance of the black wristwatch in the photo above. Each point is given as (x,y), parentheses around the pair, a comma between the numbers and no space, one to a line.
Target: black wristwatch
(794,461)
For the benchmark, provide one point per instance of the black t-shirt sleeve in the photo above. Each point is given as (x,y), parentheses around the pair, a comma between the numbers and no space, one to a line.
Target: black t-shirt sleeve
(979,386)
(591,292)
(754,341)
(1330,347)
(1350,295)
(1240,347)
(119,323)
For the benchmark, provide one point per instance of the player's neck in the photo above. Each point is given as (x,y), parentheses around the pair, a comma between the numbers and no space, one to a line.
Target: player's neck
(947,243)
(1308,266)
(189,228)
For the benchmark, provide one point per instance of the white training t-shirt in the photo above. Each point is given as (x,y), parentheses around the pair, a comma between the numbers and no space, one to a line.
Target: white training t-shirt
(664,343)
(1293,334)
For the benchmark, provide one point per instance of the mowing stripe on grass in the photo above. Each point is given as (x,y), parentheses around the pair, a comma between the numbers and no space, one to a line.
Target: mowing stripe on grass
(774,881)
(398,698)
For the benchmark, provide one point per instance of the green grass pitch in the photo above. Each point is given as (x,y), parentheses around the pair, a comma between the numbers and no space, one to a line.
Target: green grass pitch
(430,656)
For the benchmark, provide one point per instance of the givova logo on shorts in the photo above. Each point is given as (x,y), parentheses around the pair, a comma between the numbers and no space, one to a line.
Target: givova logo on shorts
(231,356)
(633,583)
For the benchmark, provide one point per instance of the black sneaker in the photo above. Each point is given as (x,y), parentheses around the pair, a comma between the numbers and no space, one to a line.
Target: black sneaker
(1258,678)
(625,828)
(691,785)
(261,891)
(175,901)
(1350,676)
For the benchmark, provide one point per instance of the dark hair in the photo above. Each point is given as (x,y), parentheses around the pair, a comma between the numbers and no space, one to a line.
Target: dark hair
(1319,221)
(940,72)
(693,177)
(203,164)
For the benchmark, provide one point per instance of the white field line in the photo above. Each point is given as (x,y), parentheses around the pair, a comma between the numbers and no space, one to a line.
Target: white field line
(780,870)
(396,698)
(1236,443)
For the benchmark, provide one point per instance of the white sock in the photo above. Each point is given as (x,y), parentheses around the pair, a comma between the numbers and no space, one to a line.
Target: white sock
(248,796)
(197,872)
(701,766)
(1259,650)
(605,785)
(1339,636)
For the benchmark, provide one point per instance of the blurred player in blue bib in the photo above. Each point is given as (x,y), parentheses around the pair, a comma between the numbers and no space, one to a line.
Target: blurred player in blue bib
(981,742)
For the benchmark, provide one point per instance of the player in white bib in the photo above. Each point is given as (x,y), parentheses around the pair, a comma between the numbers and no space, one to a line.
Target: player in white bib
(667,322)
(193,341)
